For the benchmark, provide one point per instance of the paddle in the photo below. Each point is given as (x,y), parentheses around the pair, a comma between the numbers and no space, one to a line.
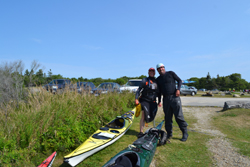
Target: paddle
(149,144)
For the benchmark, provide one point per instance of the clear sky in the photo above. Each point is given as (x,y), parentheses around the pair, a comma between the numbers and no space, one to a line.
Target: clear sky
(115,38)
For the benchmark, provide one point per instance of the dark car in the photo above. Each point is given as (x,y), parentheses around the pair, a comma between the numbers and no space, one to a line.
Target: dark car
(83,87)
(57,84)
(106,87)
(203,89)
(186,90)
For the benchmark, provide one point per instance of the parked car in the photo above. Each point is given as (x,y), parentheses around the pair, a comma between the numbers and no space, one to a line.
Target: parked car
(57,84)
(106,87)
(83,87)
(246,90)
(203,89)
(215,91)
(186,90)
(132,85)
(193,88)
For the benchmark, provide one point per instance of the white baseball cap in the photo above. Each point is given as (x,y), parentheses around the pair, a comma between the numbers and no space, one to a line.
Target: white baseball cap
(159,65)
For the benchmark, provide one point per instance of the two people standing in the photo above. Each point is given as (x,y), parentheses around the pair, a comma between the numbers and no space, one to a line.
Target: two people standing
(166,86)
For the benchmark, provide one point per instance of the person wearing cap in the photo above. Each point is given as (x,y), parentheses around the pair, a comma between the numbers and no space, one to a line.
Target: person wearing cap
(147,93)
(171,100)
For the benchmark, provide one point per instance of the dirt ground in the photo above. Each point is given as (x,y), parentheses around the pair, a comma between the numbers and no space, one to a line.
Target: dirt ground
(224,154)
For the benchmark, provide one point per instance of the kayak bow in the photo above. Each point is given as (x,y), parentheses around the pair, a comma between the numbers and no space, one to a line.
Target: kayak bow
(102,138)
(48,162)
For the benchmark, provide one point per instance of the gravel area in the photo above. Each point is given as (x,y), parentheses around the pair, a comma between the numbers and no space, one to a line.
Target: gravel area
(223,152)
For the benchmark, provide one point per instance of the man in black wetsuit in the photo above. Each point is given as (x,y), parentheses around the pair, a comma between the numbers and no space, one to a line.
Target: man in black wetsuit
(149,91)
(171,100)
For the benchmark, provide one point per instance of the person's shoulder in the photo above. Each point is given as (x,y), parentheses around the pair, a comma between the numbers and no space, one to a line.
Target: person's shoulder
(171,72)
(144,80)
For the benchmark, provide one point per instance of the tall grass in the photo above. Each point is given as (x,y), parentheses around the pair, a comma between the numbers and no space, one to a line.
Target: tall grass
(55,122)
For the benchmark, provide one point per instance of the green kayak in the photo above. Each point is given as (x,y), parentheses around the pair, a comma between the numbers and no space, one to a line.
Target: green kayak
(141,152)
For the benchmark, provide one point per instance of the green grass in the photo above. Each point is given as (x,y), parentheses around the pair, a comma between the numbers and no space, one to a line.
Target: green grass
(193,152)
(235,123)
(60,122)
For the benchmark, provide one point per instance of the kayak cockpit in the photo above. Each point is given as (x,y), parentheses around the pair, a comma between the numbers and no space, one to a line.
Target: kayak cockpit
(117,123)
(128,159)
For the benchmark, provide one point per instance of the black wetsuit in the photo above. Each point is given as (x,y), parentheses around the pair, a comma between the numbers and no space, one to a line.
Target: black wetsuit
(171,103)
(149,91)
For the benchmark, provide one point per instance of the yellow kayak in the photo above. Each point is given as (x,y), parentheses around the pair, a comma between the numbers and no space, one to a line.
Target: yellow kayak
(102,138)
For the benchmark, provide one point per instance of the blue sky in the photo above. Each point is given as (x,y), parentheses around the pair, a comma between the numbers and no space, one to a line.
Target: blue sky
(112,38)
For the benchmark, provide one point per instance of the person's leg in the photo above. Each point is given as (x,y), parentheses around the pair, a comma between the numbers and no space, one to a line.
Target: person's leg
(142,121)
(168,117)
(153,111)
(176,101)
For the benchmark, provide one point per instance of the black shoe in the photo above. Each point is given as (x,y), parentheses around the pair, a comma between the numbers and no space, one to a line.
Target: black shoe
(140,135)
(169,136)
(184,135)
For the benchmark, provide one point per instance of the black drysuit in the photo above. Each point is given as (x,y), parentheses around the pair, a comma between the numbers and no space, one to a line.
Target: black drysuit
(171,104)
(149,91)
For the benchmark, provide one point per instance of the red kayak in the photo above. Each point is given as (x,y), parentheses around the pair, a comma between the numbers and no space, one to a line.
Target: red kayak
(48,162)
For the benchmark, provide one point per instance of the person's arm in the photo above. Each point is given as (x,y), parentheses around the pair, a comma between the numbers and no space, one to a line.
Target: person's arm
(179,81)
(158,92)
(137,94)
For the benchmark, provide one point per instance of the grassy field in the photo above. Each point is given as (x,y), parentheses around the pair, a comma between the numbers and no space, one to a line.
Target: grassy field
(235,123)
(191,153)
(46,123)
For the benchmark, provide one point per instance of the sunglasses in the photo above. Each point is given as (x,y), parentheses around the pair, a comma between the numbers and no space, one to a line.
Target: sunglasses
(160,67)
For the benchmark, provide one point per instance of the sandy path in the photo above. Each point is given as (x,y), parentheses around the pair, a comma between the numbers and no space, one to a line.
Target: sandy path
(224,153)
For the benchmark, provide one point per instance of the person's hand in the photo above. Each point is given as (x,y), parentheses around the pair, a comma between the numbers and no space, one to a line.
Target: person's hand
(159,104)
(136,102)
(177,93)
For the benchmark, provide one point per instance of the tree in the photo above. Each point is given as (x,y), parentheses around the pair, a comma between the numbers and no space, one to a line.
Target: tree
(235,77)
(49,73)
(34,66)
(11,86)
(39,77)
(142,76)
(218,82)
(73,80)
(26,73)
(196,83)
(203,83)
(209,84)
(120,81)
(49,78)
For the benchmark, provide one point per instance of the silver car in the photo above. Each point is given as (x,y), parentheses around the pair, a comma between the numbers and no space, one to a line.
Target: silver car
(186,90)
(132,85)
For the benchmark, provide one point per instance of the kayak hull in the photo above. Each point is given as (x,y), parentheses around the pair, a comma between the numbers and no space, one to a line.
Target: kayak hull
(140,153)
(102,138)
(49,161)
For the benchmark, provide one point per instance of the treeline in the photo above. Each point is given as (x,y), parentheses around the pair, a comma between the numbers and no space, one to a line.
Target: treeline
(224,83)
(41,78)
(35,76)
